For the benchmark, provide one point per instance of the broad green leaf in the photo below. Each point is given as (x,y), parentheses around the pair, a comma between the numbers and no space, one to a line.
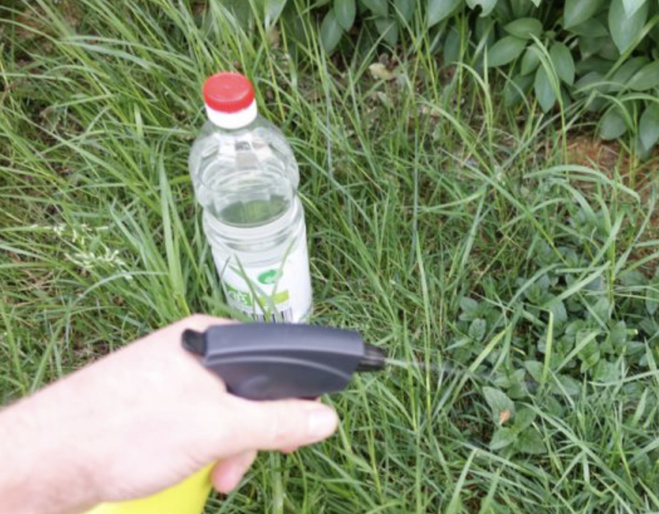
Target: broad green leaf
(553,406)
(405,8)
(503,11)
(440,9)
(608,50)
(643,153)
(544,283)
(597,64)
(477,329)
(590,348)
(330,32)
(530,61)
(498,402)
(618,334)
(626,71)
(530,441)
(485,5)
(344,11)
(388,29)
(484,30)
(524,418)
(563,62)
(505,50)
(648,127)
(502,437)
(468,305)
(504,381)
(597,104)
(524,28)
(273,9)
(624,29)
(535,369)
(589,46)
(544,91)
(589,82)
(649,325)
(557,307)
(590,28)
(631,6)
(378,7)
(451,54)
(602,308)
(606,372)
(568,384)
(520,8)
(612,124)
(645,78)
(515,90)
(518,376)
(632,278)
(518,391)
(579,11)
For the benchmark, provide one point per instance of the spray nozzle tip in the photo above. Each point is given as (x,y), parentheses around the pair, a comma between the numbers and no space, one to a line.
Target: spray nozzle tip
(373,359)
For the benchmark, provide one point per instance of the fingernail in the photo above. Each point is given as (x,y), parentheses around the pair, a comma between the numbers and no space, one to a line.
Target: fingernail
(322,423)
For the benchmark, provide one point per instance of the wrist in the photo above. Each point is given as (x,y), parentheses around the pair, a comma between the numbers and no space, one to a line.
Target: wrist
(40,474)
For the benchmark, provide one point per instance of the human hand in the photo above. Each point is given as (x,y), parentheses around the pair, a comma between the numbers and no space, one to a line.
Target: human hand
(139,421)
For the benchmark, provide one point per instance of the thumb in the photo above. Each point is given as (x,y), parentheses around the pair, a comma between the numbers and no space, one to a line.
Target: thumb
(281,424)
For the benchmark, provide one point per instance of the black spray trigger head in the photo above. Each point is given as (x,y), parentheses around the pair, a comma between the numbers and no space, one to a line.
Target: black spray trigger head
(194,342)
(263,361)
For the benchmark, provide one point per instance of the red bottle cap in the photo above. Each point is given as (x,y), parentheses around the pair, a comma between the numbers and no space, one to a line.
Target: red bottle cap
(228,92)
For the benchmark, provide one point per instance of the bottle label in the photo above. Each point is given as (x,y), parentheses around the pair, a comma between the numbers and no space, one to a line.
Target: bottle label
(278,293)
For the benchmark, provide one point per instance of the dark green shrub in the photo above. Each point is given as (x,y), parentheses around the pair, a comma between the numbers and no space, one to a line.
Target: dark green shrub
(598,54)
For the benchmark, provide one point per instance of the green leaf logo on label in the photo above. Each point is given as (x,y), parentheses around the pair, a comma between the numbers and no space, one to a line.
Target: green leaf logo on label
(269,277)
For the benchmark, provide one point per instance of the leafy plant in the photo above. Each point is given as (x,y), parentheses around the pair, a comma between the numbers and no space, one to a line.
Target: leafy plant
(582,335)
(519,435)
(603,55)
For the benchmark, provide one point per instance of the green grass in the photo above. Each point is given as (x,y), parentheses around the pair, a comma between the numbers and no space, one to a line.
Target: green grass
(419,192)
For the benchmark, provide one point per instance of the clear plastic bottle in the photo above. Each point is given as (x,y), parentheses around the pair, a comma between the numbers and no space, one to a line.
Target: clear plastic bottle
(245,177)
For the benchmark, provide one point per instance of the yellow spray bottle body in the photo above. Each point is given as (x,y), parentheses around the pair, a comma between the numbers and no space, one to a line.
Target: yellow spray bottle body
(187,497)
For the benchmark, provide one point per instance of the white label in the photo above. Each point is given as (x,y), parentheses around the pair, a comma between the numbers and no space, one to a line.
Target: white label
(278,293)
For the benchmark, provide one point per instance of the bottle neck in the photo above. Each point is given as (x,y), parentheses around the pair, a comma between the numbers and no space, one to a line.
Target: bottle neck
(232,120)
